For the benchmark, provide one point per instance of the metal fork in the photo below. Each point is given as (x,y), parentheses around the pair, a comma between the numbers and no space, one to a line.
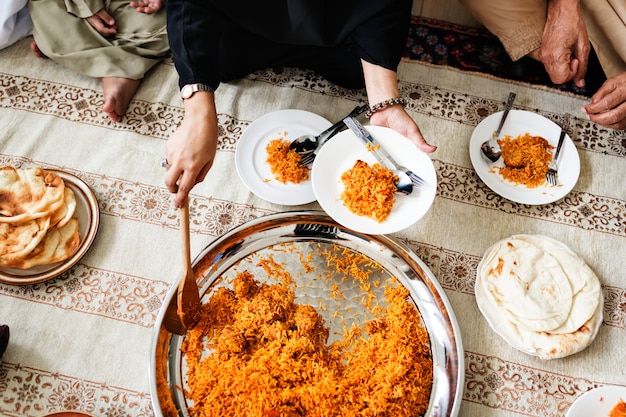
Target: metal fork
(307,158)
(552,174)
(379,151)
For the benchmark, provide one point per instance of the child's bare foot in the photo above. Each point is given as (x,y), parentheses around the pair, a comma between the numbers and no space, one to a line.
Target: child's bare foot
(36,51)
(118,92)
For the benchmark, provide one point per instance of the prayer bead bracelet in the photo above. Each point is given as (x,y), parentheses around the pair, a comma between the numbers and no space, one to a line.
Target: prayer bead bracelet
(389,102)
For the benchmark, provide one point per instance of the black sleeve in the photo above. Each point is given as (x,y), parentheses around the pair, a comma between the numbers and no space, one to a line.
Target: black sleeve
(204,34)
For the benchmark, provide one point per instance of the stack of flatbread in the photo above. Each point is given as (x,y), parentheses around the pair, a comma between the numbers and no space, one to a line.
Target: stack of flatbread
(37,223)
(539,295)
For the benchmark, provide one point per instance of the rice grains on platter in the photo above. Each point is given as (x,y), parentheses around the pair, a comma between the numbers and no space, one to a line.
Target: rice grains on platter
(284,163)
(526,159)
(257,352)
(369,190)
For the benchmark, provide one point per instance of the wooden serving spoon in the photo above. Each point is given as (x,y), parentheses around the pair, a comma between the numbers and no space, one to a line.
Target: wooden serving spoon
(188,295)
(183,311)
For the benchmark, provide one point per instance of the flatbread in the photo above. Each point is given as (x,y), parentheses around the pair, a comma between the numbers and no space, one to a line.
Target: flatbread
(17,240)
(64,213)
(59,244)
(29,193)
(544,345)
(539,295)
(528,284)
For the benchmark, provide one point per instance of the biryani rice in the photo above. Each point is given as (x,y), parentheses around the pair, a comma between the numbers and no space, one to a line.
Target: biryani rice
(269,355)
(284,162)
(619,410)
(369,190)
(526,159)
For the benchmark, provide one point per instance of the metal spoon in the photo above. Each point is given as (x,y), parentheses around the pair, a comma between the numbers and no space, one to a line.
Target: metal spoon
(308,143)
(490,148)
(404,186)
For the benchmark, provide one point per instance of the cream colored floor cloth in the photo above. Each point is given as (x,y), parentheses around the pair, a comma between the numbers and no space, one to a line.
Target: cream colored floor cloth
(83,340)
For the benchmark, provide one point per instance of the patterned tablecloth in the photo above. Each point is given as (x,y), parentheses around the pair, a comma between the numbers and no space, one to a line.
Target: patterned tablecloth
(83,340)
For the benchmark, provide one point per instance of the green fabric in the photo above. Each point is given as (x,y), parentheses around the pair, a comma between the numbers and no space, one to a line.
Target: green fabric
(64,35)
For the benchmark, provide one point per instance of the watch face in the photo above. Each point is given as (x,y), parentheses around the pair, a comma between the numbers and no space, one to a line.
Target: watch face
(187,91)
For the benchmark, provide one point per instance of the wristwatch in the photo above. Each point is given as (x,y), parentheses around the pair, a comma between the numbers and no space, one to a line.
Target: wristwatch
(189,89)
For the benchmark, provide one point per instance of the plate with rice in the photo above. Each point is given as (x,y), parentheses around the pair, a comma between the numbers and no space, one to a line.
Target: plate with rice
(605,401)
(341,153)
(251,155)
(510,183)
(301,316)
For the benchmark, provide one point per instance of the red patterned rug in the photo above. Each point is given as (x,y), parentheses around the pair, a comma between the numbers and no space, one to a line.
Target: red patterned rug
(475,49)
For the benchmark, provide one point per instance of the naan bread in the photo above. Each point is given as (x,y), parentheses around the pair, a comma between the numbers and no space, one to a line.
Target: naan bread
(36,218)
(27,194)
(64,213)
(17,240)
(59,244)
(539,295)
(528,284)
(543,344)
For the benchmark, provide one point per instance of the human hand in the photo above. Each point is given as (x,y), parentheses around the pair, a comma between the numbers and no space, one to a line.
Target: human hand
(147,6)
(565,45)
(190,151)
(608,104)
(103,23)
(396,118)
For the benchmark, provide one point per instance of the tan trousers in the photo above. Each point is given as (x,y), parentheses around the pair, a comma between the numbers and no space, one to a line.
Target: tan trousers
(63,34)
(519,26)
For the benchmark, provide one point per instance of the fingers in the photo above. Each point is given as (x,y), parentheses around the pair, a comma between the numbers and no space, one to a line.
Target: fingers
(103,23)
(147,6)
(608,104)
(416,136)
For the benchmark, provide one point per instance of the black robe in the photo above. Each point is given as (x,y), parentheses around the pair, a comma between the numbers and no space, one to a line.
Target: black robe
(215,41)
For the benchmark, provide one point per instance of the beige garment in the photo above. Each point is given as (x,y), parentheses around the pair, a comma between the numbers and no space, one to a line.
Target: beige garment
(519,26)
(63,34)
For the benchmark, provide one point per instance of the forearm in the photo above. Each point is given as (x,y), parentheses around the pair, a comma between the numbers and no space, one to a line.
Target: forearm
(381,83)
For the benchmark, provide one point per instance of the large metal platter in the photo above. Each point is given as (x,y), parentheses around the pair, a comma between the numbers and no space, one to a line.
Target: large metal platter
(310,230)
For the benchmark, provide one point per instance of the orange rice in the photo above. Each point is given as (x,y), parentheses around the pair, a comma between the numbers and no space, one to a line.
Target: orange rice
(619,410)
(257,353)
(284,163)
(369,190)
(526,159)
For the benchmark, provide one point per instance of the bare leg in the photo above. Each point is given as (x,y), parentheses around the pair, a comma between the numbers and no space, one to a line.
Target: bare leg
(36,51)
(117,95)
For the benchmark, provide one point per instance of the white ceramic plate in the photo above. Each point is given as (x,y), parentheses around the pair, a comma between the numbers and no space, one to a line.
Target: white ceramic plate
(251,155)
(598,402)
(518,123)
(339,155)
(88,216)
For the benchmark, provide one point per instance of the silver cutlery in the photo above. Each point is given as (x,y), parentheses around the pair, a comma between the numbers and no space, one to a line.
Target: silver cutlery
(307,145)
(552,174)
(490,148)
(407,179)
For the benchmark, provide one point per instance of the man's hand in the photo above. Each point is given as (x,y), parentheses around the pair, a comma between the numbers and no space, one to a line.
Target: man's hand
(565,44)
(147,6)
(103,23)
(608,104)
